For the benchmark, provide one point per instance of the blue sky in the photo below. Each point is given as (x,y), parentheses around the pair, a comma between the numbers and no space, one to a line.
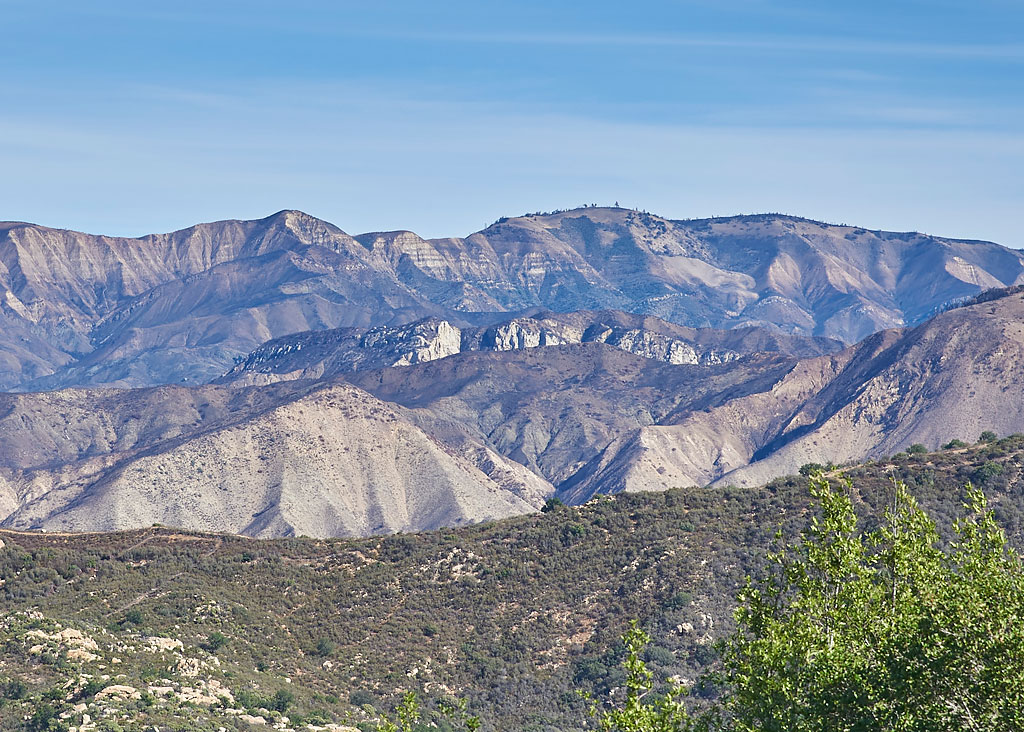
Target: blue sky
(130,118)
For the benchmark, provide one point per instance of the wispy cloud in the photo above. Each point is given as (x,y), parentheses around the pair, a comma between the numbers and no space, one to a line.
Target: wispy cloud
(821,44)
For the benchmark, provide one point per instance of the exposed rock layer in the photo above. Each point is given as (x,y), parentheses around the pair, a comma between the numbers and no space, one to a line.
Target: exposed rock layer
(316,354)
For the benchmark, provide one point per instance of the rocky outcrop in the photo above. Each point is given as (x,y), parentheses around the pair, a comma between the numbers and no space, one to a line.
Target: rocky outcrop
(417,343)
(330,353)
(657,346)
(527,333)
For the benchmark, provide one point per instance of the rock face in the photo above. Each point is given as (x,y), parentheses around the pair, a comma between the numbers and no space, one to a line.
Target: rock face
(417,343)
(77,309)
(329,353)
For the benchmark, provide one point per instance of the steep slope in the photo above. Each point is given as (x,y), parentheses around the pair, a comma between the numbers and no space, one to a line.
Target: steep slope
(593,422)
(508,392)
(318,354)
(798,275)
(558,409)
(486,433)
(952,377)
(77,309)
(324,460)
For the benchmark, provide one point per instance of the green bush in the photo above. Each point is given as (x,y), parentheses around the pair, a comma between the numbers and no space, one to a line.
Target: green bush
(215,641)
(987,472)
(283,699)
(551,504)
(362,698)
(248,699)
(44,719)
(14,689)
(809,469)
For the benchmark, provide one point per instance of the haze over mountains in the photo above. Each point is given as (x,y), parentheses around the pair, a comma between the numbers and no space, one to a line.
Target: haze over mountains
(300,380)
(87,310)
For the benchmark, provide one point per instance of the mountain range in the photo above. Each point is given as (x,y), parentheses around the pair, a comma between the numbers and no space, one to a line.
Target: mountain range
(281,377)
(80,310)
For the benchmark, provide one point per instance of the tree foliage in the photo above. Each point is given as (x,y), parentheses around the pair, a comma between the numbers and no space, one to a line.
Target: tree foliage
(644,711)
(880,630)
(855,631)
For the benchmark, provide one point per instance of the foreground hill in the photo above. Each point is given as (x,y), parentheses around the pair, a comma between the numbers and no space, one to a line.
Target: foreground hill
(78,309)
(516,614)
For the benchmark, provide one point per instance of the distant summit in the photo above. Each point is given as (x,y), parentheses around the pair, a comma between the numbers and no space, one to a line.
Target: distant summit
(299,380)
(77,309)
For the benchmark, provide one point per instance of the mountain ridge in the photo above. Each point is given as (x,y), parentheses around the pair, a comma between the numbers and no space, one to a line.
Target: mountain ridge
(179,307)
(289,378)
(487,434)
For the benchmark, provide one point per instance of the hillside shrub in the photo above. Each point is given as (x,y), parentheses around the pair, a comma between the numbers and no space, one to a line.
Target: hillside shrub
(809,469)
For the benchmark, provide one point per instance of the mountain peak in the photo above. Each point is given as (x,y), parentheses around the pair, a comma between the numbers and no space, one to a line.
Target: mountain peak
(288,213)
(78,304)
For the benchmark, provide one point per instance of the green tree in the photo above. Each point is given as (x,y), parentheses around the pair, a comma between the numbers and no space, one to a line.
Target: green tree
(642,710)
(552,504)
(880,630)
(215,641)
(988,436)
(282,699)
